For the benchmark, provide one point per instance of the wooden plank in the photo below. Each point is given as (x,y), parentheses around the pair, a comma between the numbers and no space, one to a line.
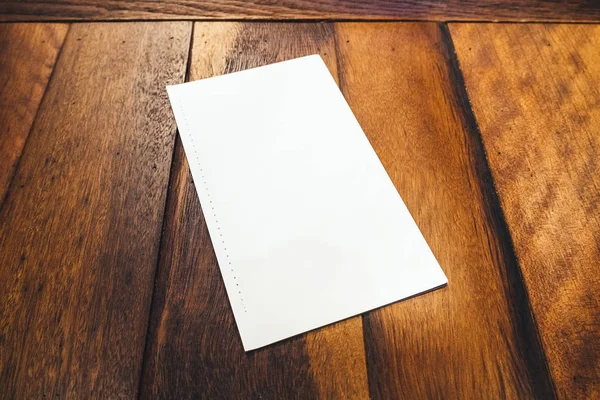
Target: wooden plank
(535,93)
(194,349)
(440,10)
(27,56)
(80,232)
(474,338)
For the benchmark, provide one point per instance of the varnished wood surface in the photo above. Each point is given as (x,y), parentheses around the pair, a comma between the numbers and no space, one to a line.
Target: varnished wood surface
(438,10)
(80,226)
(400,83)
(27,56)
(109,287)
(535,91)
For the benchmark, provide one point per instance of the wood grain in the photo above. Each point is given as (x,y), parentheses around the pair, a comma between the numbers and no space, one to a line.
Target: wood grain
(440,10)
(80,227)
(474,338)
(194,349)
(27,56)
(535,93)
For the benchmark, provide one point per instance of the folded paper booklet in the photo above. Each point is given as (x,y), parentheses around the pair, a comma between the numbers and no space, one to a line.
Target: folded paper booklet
(307,226)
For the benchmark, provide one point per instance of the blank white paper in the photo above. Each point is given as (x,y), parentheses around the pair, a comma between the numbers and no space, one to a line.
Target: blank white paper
(307,226)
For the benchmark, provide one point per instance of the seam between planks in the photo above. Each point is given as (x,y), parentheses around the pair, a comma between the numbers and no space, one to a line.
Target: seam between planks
(37,110)
(524,324)
(301,20)
(162,231)
(315,19)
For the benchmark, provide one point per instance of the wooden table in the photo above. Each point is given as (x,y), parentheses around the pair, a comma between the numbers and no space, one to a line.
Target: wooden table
(109,286)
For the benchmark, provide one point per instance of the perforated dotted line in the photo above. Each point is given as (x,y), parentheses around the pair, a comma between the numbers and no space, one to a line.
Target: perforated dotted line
(212,210)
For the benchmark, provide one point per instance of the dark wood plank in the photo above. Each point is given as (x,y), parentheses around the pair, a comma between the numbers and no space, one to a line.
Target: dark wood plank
(79,234)
(535,93)
(194,349)
(474,338)
(27,56)
(440,10)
